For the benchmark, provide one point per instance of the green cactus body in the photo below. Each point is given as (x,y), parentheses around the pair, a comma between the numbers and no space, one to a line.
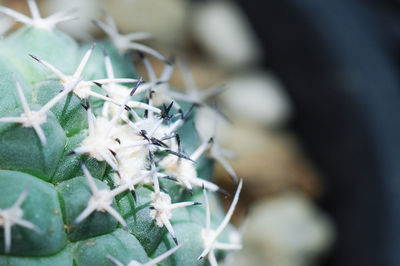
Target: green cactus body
(48,181)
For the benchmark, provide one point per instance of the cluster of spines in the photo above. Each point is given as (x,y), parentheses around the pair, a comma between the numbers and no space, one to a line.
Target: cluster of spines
(124,139)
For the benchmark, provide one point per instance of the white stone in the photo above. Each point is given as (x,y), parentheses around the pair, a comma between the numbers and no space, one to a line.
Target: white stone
(163,18)
(286,230)
(222,29)
(257,97)
(81,28)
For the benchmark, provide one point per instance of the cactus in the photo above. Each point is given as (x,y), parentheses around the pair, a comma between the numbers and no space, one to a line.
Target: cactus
(97,166)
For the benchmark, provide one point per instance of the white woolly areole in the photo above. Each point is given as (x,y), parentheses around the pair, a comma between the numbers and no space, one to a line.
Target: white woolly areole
(101,200)
(82,91)
(131,168)
(33,118)
(209,237)
(97,142)
(13,216)
(179,168)
(118,93)
(161,204)
(185,172)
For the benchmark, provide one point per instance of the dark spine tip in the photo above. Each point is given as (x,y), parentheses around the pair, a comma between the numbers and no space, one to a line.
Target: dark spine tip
(170,106)
(158,142)
(112,152)
(134,89)
(180,155)
(98,84)
(133,192)
(171,60)
(175,240)
(118,140)
(86,105)
(70,153)
(143,133)
(95,22)
(165,114)
(34,57)
(185,115)
(141,55)
(190,192)
(152,208)
(196,203)
(223,192)
(164,189)
(166,61)
(171,178)
(178,140)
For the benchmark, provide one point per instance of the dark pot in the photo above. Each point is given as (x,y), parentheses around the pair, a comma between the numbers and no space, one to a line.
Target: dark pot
(339,62)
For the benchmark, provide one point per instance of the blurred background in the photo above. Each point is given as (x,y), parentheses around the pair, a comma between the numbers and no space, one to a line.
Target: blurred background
(313,102)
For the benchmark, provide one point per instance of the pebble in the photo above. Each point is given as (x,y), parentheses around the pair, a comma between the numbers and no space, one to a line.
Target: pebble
(222,30)
(287,230)
(257,96)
